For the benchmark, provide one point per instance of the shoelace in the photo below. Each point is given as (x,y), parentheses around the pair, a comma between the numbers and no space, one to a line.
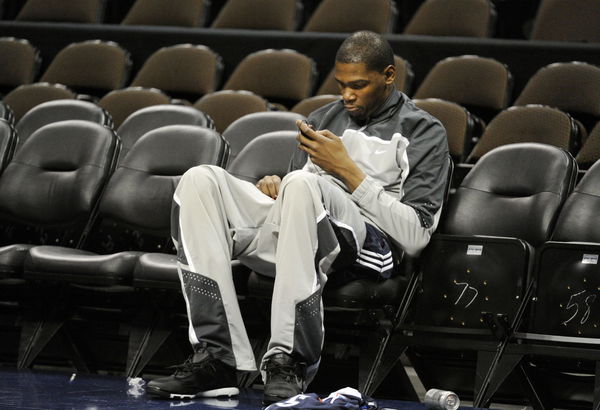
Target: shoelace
(189,366)
(287,371)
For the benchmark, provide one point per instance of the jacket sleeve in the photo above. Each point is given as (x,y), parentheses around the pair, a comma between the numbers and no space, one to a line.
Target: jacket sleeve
(409,221)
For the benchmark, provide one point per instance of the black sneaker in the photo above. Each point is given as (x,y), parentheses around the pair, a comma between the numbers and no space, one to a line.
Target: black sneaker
(200,376)
(285,378)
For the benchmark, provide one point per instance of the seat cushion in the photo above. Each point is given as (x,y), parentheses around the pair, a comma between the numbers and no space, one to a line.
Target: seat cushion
(358,293)
(159,270)
(55,263)
(12,258)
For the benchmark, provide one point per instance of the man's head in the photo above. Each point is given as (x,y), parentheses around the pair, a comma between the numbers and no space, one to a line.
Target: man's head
(365,72)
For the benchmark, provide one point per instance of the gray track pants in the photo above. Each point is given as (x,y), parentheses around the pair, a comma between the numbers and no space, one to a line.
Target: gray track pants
(217,218)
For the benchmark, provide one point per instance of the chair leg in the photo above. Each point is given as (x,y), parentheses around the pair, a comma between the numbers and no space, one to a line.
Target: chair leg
(485,389)
(259,346)
(386,358)
(150,329)
(538,396)
(597,387)
(42,319)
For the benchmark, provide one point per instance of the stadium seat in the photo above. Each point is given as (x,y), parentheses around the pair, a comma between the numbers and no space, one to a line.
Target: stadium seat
(462,128)
(187,13)
(6,113)
(281,76)
(259,15)
(589,152)
(550,23)
(91,67)
(68,163)
(530,123)
(59,110)
(308,105)
(572,86)
(461,18)
(482,85)
(156,273)
(122,103)
(27,96)
(183,71)
(19,63)
(133,218)
(347,16)
(150,118)
(243,130)
(403,81)
(80,11)
(226,106)
(473,277)
(560,335)
(8,141)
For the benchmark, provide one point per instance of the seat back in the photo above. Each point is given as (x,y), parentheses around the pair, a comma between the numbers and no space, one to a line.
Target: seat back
(283,76)
(50,187)
(266,154)
(80,11)
(572,86)
(515,190)
(186,13)
(483,85)
(92,66)
(135,209)
(182,70)
(403,81)
(308,105)
(459,123)
(147,119)
(347,16)
(589,152)
(244,129)
(550,23)
(19,62)
(224,107)
(259,15)
(530,123)
(60,110)
(27,96)
(465,18)
(567,274)
(121,103)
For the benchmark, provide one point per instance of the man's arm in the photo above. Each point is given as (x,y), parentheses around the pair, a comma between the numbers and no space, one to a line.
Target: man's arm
(410,221)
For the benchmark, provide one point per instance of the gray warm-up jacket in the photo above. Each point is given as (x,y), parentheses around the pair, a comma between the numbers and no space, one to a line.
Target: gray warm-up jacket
(404,152)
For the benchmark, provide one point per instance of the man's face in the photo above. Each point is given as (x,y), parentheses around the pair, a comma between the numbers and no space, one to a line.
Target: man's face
(363,90)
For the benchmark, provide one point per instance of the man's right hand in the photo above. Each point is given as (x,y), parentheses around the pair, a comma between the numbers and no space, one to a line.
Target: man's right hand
(269,185)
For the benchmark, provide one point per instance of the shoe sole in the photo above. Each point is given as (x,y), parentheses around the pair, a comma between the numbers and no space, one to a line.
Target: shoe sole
(222,392)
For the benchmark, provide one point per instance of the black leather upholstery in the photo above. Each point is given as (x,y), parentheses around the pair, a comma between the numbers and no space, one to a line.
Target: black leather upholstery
(244,129)
(134,212)
(267,154)
(514,196)
(149,118)
(49,189)
(67,163)
(59,110)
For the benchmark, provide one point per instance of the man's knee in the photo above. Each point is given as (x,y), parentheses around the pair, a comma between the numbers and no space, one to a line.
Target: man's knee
(200,177)
(298,182)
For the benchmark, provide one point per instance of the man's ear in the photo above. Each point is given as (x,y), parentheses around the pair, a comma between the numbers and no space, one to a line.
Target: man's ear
(390,74)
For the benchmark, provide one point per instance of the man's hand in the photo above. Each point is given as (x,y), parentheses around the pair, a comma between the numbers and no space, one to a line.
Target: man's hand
(327,151)
(269,185)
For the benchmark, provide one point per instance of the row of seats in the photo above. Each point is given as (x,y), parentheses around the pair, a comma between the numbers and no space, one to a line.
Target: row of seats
(122,245)
(483,85)
(470,18)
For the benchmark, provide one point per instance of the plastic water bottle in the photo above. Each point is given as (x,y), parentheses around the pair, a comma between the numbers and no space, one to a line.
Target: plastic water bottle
(441,400)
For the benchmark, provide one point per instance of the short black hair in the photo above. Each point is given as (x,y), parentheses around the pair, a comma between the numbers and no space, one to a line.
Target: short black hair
(366,47)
